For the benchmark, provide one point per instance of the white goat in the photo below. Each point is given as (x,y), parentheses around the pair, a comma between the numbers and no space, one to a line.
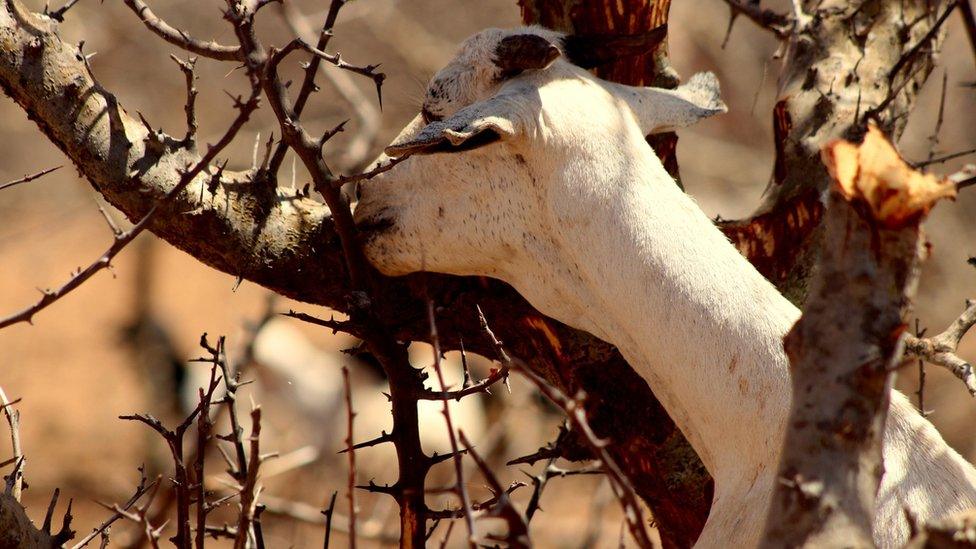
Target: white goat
(550,186)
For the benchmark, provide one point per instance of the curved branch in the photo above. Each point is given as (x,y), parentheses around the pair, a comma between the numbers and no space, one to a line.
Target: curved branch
(180,38)
(248,230)
(941,349)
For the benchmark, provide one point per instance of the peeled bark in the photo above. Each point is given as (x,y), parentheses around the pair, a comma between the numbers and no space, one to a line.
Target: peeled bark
(289,245)
(845,348)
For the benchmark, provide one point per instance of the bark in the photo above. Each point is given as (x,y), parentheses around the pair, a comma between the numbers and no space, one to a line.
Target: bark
(17,530)
(288,243)
(847,345)
(837,71)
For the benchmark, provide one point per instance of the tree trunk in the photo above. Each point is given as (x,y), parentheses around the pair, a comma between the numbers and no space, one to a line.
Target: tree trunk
(846,347)
(289,244)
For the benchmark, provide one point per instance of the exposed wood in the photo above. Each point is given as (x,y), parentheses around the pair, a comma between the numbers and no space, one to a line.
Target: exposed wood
(845,348)
(288,243)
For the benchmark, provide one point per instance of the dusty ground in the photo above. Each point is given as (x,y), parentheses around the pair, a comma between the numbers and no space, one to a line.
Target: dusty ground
(75,376)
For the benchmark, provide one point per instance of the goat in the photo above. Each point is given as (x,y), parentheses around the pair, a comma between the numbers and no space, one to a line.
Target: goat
(546,182)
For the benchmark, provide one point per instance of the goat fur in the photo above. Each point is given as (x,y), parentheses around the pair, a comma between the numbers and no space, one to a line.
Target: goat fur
(544,180)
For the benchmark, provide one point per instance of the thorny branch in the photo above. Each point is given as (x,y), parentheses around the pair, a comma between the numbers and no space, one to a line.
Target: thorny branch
(574,410)
(459,487)
(141,490)
(777,23)
(517,536)
(251,489)
(181,39)
(351,451)
(245,107)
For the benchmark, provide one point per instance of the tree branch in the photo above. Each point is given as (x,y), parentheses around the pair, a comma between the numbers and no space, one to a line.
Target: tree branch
(941,349)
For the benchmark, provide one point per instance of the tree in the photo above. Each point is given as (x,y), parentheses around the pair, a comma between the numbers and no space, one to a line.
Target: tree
(300,248)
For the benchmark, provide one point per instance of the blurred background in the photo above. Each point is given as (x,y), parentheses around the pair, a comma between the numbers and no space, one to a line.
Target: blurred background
(119,344)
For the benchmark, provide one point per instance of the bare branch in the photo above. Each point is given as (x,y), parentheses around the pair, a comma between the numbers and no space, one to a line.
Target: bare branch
(245,108)
(366,70)
(940,349)
(180,38)
(251,489)
(518,531)
(385,167)
(964,177)
(328,511)
(777,23)
(28,178)
(58,14)
(459,488)
(141,490)
(577,416)
(350,449)
(191,97)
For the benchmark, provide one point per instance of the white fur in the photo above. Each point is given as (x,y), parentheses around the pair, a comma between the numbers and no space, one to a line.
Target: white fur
(574,210)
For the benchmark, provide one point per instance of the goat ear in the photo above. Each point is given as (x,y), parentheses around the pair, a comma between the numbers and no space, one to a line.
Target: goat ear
(522,52)
(660,110)
(592,50)
(472,127)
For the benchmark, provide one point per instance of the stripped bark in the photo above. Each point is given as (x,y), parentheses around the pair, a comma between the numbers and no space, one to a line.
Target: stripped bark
(288,243)
(845,348)
(836,73)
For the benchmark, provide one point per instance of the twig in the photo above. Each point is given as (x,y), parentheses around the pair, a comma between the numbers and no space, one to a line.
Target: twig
(251,488)
(577,416)
(447,535)
(777,23)
(351,488)
(344,326)
(914,51)
(141,490)
(308,82)
(946,158)
(921,377)
(518,530)
(941,349)
(549,472)
(28,178)
(191,97)
(245,108)
(460,488)
(934,138)
(368,71)
(16,483)
(180,38)
(964,177)
(140,515)
(355,152)
(385,167)
(328,520)
(58,14)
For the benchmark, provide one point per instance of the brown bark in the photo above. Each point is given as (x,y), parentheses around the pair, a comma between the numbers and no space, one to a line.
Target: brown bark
(837,72)
(289,244)
(845,348)
(17,530)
